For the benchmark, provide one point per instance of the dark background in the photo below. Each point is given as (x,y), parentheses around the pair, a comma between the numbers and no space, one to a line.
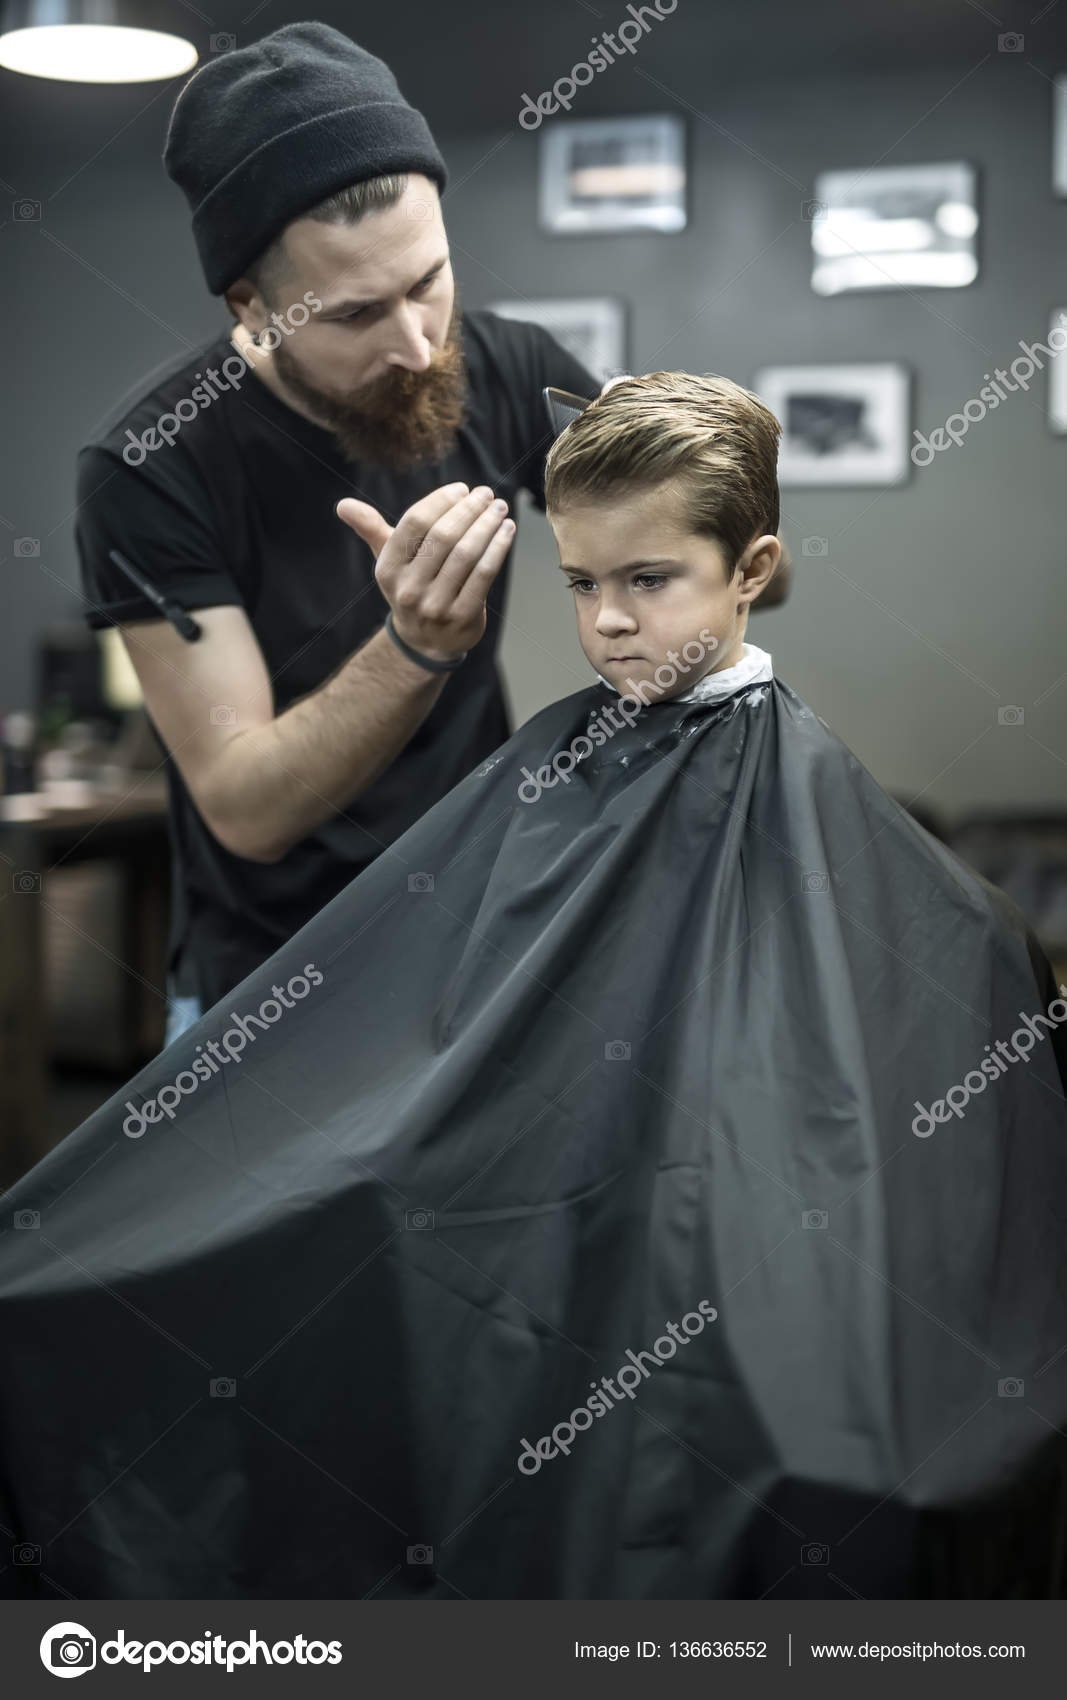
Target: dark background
(937,602)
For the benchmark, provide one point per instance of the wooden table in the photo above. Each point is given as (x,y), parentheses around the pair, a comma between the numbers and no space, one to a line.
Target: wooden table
(129,826)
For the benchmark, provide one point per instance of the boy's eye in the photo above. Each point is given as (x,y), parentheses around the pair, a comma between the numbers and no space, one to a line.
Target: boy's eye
(651,580)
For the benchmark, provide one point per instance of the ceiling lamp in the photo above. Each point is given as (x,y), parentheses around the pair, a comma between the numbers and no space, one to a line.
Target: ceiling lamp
(89,41)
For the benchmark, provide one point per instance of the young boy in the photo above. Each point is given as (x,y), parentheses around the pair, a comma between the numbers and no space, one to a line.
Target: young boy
(647,1179)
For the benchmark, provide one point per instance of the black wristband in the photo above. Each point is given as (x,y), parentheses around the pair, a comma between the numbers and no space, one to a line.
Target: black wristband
(422,660)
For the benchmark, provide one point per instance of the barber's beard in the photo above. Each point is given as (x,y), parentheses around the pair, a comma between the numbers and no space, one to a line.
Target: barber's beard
(403,418)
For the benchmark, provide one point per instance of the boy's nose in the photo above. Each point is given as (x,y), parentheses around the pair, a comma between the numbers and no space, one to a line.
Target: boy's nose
(610,624)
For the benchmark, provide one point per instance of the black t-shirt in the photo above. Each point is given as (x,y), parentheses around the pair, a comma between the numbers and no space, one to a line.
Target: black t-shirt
(238,508)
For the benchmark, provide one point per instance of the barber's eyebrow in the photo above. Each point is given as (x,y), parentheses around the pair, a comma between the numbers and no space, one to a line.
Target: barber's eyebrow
(617,572)
(352,305)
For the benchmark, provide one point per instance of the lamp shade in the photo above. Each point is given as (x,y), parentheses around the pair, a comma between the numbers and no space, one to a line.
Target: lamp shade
(89,41)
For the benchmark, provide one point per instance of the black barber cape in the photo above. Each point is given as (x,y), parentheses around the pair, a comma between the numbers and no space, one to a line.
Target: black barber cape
(561,1220)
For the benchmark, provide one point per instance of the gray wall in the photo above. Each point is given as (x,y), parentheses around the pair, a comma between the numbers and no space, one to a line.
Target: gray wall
(936,604)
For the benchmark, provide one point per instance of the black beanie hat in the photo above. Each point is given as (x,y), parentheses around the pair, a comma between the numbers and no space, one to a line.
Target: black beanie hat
(260,134)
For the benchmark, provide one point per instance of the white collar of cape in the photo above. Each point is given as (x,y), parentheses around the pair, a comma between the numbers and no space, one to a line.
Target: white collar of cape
(755,665)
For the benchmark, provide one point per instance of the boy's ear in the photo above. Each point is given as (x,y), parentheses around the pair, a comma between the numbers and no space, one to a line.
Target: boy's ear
(775,593)
(758,565)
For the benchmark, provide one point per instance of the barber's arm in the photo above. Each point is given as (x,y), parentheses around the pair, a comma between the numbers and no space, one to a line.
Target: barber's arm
(263,781)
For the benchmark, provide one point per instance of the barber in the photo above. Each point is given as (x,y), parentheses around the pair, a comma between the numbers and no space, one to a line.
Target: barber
(345,676)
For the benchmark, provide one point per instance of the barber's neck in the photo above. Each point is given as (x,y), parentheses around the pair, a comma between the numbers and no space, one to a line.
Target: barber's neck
(261,362)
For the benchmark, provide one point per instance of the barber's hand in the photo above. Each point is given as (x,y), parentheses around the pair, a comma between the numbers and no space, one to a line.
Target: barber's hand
(435,566)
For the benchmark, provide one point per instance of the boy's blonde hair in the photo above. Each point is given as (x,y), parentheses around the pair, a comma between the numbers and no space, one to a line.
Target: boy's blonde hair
(716,440)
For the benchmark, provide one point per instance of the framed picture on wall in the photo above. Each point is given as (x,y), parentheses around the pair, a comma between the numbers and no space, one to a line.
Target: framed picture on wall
(611,174)
(841,425)
(1057,374)
(1059,135)
(895,227)
(592,328)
